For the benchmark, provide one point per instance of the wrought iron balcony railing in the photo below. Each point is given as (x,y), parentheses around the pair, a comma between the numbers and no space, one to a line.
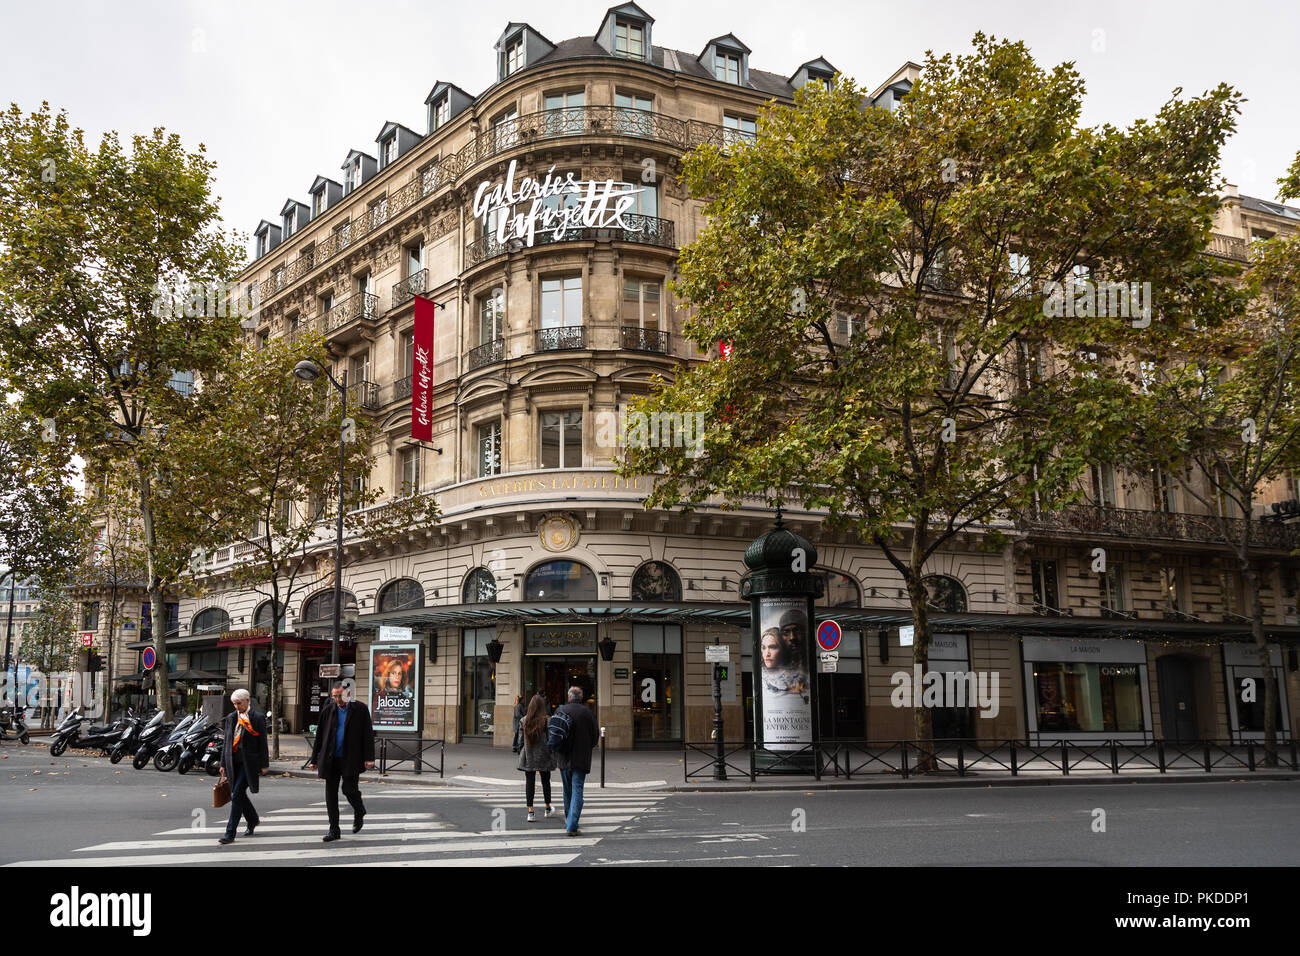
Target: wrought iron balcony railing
(648,230)
(360,305)
(1161,526)
(363,395)
(489,353)
(551,340)
(411,286)
(399,391)
(644,340)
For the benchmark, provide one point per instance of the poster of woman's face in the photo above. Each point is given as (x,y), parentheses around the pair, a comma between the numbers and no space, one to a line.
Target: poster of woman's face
(784,697)
(394,683)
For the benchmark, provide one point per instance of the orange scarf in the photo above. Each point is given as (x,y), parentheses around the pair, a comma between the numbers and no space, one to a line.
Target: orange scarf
(241,725)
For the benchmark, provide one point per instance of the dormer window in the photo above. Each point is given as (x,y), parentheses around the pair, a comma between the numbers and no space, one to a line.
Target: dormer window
(515,55)
(388,151)
(318,202)
(726,67)
(629,39)
(441,111)
(354,175)
(263,241)
(288,223)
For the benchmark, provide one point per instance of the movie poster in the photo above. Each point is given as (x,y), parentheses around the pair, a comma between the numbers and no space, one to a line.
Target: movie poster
(783,673)
(395,688)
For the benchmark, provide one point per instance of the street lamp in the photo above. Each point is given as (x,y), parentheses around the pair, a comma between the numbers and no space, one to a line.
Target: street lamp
(309,371)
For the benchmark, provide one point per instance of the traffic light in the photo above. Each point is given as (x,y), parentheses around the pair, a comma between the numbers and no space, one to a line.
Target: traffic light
(719,672)
(96,663)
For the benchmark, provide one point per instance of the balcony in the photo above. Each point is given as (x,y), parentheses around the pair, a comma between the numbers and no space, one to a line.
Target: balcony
(1159,526)
(647,230)
(636,339)
(360,305)
(364,395)
(1228,247)
(555,340)
(399,391)
(489,353)
(413,285)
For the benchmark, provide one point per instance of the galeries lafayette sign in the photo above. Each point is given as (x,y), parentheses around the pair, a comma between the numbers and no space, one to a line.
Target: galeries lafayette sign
(600,205)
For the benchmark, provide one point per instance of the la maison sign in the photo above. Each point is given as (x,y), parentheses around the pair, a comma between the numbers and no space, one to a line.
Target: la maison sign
(600,205)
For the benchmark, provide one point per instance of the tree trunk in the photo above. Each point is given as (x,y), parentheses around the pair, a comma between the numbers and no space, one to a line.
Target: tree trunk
(919,598)
(275,676)
(1270,678)
(157,611)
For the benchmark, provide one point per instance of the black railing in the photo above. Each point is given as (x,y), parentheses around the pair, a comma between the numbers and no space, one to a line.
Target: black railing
(400,390)
(489,353)
(644,340)
(364,395)
(361,305)
(410,287)
(393,752)
(550,340)
(1169,526)
(964,758)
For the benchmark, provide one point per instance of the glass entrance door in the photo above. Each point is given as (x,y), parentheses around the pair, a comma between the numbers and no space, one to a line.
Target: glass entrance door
(553,675)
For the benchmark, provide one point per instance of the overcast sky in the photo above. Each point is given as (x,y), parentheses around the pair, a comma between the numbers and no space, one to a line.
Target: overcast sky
(279,92)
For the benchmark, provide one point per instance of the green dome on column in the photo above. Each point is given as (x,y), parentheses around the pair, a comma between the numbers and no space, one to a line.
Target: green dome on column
(773,550)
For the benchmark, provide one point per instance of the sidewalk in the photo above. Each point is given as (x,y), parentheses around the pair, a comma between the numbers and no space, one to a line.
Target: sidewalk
(478,765)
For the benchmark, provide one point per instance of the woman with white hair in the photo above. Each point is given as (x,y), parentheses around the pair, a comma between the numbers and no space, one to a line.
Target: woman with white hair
(244,758)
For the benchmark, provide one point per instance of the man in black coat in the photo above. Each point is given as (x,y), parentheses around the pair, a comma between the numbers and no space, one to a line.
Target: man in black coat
(345,740)
(244,758)
(575,761)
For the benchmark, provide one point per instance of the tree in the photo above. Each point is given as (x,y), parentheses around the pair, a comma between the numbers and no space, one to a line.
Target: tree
(40,517)
(272,447)
(51,641)
(916,340)
(1228,397)
(88,238)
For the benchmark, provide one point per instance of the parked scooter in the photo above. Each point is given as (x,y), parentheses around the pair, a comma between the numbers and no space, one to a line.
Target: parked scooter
(196,743)
(169,754)
(154,737)
(211,757)
(128,742)
(69,734)
(11,721)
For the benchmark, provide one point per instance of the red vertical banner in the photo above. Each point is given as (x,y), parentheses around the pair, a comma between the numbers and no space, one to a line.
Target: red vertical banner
(422,371)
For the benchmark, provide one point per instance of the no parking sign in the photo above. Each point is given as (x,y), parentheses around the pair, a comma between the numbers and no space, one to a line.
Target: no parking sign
(149,658)
(828,635)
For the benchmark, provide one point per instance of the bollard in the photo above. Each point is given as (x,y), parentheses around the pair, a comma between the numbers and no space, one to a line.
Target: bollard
(602,758)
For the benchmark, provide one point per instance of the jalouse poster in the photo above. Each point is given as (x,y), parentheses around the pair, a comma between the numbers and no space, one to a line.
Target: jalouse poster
(395,683)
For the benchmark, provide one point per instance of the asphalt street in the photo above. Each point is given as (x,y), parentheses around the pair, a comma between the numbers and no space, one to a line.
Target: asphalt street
(84,811)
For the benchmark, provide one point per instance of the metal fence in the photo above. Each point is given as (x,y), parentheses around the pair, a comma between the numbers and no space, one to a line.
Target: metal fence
(395,751)
(964,758)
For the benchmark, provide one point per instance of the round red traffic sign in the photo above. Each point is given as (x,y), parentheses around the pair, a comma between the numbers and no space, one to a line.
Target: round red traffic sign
(149,658)
(828,635)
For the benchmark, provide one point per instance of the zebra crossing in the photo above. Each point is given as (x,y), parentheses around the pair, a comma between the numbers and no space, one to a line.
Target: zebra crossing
(407,826)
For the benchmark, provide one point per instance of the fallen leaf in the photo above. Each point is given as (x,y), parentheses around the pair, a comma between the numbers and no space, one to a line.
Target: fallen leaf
(30,789)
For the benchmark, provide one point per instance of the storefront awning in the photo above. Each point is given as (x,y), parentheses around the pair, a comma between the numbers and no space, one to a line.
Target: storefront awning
(736,614)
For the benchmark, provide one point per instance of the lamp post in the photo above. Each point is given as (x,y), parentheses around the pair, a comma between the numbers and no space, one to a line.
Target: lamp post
(309,371)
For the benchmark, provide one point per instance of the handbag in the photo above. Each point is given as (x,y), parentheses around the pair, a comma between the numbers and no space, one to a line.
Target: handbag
(221,791)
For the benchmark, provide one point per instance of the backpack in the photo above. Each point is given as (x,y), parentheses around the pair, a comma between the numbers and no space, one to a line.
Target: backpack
(558,736)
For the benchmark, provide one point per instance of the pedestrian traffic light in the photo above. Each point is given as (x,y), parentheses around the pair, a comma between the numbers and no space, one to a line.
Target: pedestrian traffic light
(96,663)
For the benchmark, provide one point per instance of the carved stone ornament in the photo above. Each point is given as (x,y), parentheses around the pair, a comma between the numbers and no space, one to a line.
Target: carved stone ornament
(558,533)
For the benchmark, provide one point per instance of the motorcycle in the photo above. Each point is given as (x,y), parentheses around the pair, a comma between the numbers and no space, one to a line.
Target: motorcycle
(68,734)
(12,720)
(169,754)
(196,743)
(128,741)
(211,759)
(152,738)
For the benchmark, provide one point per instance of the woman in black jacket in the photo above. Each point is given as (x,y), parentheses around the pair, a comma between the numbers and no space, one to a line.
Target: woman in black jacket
(244,758)
(534,755)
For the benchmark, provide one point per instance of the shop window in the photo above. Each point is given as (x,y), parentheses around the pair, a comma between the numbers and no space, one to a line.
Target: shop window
(1078,697)
(401,595)
(657,682)
(656,581)
(478,683)
(560,581)
(480,587)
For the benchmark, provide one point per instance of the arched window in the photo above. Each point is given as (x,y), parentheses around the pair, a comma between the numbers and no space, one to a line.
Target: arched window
(841,590)
(656,581)
(211,620)
(320,606)
(401,595)
(946,593)
(560,581)
(262,616)
(480,587)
